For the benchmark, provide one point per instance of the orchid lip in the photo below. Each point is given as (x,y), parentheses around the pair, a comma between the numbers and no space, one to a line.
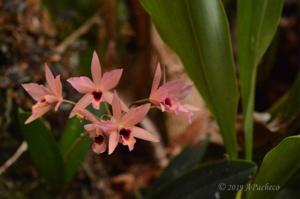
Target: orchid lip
(125,133)
(168,102)
(99,139)
(97,95)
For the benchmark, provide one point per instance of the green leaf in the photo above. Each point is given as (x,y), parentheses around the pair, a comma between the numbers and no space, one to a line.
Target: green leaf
(209,181)
(74,146)
(257,23)
(44,150)
(289,104)
(188,159)
(278,166)
(197,30)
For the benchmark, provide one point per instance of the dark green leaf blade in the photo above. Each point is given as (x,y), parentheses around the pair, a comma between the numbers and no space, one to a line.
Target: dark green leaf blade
(198,32)
(208,181)
(187,160)
(278,166)
(257,23)
(44,150)
(74,146)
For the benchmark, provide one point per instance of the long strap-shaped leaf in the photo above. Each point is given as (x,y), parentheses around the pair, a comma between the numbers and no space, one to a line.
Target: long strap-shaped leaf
(278,166)
(44,151)
(197,30)
(257,23)
(208,181)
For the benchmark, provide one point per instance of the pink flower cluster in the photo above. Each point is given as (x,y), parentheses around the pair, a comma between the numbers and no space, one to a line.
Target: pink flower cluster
(121,125)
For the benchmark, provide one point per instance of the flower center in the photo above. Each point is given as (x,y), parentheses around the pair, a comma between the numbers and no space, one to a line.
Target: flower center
(168,101)
(125,133)
(99,139)
(97,95)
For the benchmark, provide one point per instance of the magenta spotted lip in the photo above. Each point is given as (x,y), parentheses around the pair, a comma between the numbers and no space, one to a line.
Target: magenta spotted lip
(97,95)
(125,133)
(99,139)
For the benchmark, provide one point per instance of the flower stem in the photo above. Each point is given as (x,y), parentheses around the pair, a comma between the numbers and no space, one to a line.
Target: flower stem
(139,102)
(69,101)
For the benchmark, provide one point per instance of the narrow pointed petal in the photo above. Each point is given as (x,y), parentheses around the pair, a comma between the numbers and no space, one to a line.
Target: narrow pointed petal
(51,99)
(162,107)
(111,79)
(37,113)
(36,91)
(143,134)
(191,108)
(90,129)
(156,79)
(96,69)
(106,126)
(99,148)
(82,84)
(49,78)
(108,97)
(135,115)
(58,86)
(87,115)
(170,88)
(113,141)
(58,105)
(188,111)
(116,107)
(82,104)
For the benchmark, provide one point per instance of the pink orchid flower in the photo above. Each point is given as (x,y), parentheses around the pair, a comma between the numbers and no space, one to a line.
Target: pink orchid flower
(47,97)
(95,132)
(121,128)
(168,97)
(95,91)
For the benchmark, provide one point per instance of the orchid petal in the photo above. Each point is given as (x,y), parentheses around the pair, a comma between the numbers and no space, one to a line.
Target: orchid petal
(143,134)
(135,115)
(58,105)
(87,115)
(93,130)
(156,79)
(191,108)
(96,103)
(38,112)
(113,141)
(49,78)
(184,92)
(82,84)
(50,99)
(36,91)
(170,88)
(106,126)
(108,97)
(82,103)
(58,86)
(96,69)
(116,107)
(111,79)
(129,142)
